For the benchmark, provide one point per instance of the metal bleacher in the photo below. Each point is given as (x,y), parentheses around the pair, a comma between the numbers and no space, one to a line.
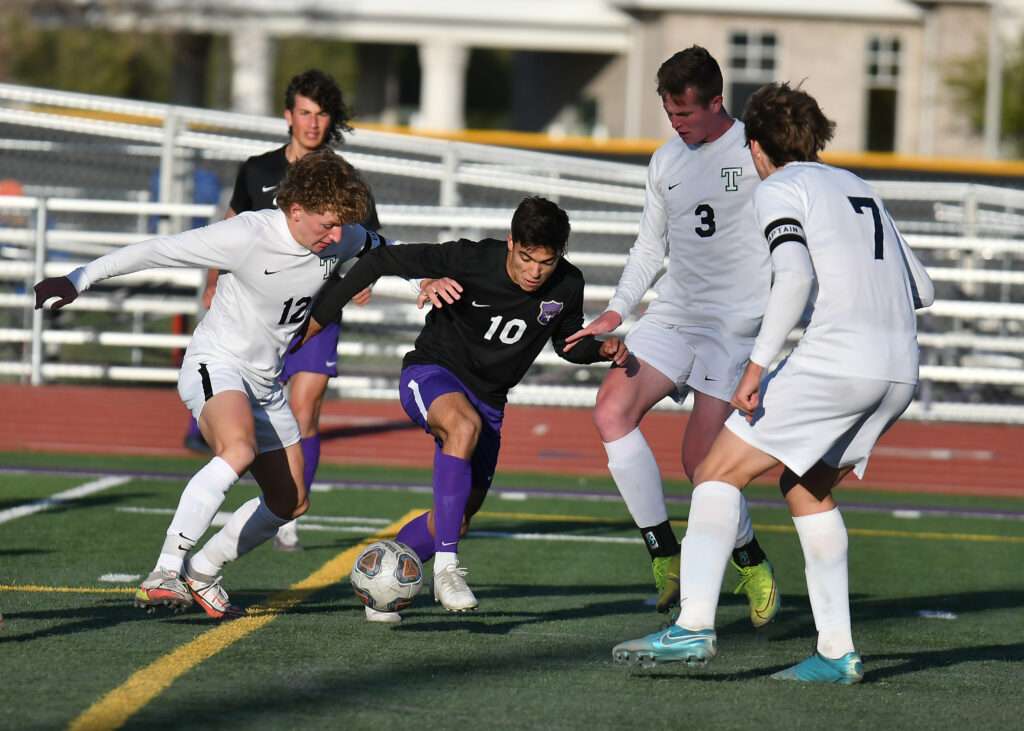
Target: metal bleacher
(89,168)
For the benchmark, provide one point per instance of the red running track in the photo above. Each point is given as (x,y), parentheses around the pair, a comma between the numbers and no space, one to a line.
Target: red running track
(980,459)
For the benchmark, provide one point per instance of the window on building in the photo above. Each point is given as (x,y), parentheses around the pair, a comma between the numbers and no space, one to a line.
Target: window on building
(883,75)
(752,64)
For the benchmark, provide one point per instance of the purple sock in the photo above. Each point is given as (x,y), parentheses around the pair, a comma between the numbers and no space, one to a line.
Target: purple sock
(416,535)
(453,478)
(311,455)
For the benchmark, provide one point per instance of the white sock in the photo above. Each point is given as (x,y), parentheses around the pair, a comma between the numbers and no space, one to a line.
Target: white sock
(289,532)
(636,474)
(199,503)
(444,559)
(249,526)
(746,532)
(706,547)
(825,543)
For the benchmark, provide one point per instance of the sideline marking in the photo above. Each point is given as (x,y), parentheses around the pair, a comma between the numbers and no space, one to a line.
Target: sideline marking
(61,497)
(116,707)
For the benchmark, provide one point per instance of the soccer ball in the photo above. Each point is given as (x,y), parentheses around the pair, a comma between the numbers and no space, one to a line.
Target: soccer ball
(387,576)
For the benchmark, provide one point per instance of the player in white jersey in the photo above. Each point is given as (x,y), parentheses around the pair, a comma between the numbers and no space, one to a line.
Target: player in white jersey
(274,262)
(820,412)
(697,333)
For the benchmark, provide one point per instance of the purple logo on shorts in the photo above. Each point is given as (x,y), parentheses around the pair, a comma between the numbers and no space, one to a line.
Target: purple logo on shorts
(549,310)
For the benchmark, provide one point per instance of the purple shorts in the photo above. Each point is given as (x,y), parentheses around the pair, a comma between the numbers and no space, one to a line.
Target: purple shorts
(417,389)
(319,355)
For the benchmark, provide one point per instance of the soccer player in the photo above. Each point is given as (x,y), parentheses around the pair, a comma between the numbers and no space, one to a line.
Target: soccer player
(820,412)
(274,262)
(317,117)
(697,333)
(509,298)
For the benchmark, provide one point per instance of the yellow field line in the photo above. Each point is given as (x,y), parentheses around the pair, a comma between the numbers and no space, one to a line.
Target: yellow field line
(112,710)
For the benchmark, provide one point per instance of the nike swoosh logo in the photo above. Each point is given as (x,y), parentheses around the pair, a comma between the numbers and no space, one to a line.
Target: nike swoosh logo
(667,640)
(477,304)
(710,379)
(268,188)
(449,543)
(331,363)
(268,272)
(674,185)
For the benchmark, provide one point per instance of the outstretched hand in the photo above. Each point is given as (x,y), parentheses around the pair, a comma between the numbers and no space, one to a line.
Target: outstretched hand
(608,321)
(748,393)
(435,290)
(362,298)
(615,350)
(60,287)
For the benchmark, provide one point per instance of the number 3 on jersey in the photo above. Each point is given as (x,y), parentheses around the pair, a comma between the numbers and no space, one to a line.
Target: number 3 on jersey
(510,333)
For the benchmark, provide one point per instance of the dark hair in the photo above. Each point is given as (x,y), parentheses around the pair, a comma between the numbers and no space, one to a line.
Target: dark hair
(321,181)
(787,123)
(539,222)
(320,87)
(694,67)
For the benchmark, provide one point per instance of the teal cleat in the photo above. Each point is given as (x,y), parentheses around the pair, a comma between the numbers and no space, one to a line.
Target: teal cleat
(675,644)
(666,581)
(759,584)
(847,670)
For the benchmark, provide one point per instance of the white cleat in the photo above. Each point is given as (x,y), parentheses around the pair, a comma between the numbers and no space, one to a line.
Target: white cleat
(451,590)
(372,615)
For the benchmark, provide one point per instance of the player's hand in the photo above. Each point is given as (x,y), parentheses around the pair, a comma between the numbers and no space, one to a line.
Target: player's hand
(615,350)
(60,287)
(363,298)
(435,290)
(308,330)
(608,321)
(208,295)
(748,393)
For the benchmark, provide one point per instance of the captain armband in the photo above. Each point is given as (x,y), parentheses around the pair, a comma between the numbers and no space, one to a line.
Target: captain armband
(782,230)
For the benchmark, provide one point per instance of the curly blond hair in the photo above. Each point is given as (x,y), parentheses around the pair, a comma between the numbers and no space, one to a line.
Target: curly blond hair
(322,182)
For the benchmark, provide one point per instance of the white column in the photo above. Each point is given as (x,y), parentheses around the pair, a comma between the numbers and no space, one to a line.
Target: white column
(442,85)
(252,53)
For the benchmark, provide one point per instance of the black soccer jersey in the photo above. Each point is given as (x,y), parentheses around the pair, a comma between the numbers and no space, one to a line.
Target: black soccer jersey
(490,337)
(257,181)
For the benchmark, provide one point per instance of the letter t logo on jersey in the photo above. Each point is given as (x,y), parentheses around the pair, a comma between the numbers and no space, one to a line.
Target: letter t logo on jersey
(730,175)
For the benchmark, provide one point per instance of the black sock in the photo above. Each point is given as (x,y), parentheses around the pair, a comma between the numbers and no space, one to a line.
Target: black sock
(748,555)
(660,540)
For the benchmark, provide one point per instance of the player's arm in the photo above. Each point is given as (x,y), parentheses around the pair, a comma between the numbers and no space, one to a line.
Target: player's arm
(217,246)
(920,282)
(793,277)
(647,256)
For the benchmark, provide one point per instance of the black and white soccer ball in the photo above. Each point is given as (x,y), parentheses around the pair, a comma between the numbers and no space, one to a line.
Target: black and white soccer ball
(387,576)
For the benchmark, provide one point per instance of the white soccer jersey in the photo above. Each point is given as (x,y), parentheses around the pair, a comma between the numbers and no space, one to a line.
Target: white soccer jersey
(264,292)
(698,207)
(862,322)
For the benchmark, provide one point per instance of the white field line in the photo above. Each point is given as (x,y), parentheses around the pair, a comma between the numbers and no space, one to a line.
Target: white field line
(74,493)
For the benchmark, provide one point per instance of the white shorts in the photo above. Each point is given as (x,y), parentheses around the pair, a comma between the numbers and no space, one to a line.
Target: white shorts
(200,379)
(691,357)
(806,416)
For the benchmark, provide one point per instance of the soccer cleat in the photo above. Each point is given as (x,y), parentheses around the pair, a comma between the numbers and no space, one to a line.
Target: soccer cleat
(372,615)
(846,670)
(759,583)
(450,589)
(674,644)
(666,581)
(163,588)
(210,595)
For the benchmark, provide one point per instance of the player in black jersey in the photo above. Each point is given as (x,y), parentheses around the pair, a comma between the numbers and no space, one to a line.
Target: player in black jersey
(317,117)
(509,298)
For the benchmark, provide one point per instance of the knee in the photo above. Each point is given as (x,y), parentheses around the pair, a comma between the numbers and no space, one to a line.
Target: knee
(611,417)
(239,454)
(463,435)
(301,508)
